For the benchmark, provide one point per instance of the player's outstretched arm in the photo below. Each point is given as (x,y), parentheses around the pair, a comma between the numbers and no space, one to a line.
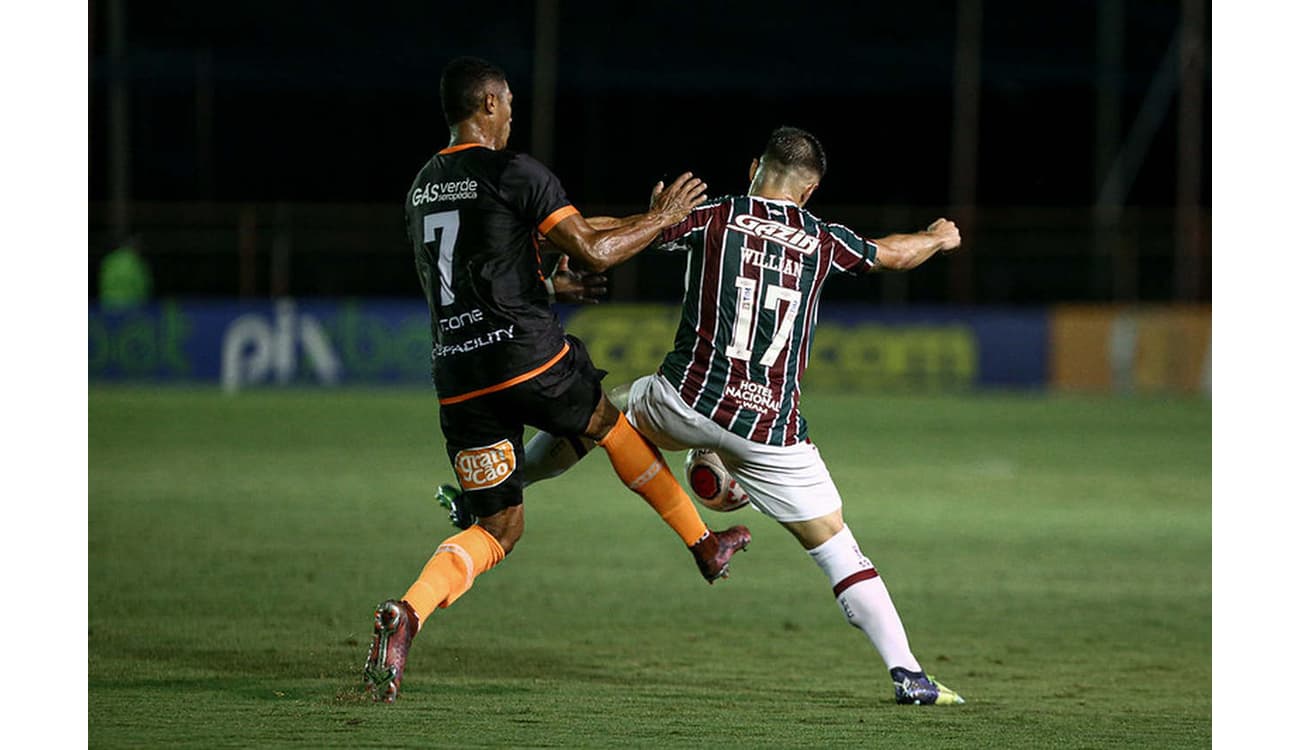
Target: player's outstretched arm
(600,248)
(608,222)
(901,252)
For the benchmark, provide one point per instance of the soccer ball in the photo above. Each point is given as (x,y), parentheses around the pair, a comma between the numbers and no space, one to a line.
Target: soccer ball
(711,483)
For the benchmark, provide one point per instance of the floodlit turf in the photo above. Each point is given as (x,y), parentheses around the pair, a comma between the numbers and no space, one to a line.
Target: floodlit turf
(1049,556)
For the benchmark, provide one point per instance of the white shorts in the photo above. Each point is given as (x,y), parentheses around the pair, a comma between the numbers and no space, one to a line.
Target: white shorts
(786,482)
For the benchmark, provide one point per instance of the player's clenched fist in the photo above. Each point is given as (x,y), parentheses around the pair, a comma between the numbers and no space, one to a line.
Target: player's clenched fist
(947,233)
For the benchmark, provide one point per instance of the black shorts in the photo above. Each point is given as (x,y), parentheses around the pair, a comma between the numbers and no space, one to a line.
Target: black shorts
(485,435)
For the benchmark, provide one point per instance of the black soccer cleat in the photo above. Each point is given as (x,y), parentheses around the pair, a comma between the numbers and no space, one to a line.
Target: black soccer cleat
(713,552)
(920,689)
(395,626)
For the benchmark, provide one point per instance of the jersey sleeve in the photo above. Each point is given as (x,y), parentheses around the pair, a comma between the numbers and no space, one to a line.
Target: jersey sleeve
(686,232)
(850,252)
(409,222)
(535,193)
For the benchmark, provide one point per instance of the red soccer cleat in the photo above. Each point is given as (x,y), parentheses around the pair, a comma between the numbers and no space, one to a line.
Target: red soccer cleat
(713,552)
(395,626)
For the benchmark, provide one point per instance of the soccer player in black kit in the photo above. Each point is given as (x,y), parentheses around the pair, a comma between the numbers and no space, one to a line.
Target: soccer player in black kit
(500,358)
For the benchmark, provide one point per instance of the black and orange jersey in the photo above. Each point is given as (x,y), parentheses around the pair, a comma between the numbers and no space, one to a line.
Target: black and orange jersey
(473,215)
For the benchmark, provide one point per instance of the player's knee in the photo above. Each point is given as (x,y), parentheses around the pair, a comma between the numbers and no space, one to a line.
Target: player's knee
(815,532)
(602,420)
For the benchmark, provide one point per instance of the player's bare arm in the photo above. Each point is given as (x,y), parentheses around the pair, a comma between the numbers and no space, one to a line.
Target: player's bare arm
(608,222)
(902,252)
(614,222)
(599,249)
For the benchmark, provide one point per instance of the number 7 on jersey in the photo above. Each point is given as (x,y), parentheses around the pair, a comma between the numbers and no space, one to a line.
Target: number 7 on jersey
(440,232)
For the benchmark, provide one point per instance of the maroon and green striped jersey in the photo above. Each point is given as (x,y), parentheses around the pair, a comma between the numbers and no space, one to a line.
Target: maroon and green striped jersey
(755,272)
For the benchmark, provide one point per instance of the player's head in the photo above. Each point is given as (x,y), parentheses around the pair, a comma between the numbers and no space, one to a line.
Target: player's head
(793,162)
(475,89)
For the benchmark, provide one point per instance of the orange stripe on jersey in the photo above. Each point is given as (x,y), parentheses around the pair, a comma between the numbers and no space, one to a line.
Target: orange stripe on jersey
(512,381)
(557,216)
(460,147)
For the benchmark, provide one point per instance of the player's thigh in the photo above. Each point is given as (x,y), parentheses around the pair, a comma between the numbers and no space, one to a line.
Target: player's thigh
(788,483)
(486,453)
(658,412)
(562,399)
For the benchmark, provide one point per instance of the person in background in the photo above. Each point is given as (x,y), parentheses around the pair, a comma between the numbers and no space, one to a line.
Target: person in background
(125,280)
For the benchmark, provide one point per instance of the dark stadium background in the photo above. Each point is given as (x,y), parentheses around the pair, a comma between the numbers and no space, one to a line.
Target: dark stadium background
(257,149)
(1023,432)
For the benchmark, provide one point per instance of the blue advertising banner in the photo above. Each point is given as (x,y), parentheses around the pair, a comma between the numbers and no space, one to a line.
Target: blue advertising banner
(387,342)
(935,346)
(242,344)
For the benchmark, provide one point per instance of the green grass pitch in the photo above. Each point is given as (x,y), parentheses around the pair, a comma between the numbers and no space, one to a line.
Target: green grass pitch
(1050,557)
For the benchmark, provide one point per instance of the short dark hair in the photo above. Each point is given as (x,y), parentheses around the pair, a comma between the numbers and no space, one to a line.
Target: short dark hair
(793,148)
(464,82)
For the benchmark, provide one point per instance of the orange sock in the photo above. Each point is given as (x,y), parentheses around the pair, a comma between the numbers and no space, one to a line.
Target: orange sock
(641,467)
(451,570)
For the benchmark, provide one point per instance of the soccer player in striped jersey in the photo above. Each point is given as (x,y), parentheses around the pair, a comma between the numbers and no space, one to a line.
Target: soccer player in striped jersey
(756,267)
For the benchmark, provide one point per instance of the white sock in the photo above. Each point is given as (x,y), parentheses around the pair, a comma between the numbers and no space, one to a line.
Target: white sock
(863,597)
(547,456)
